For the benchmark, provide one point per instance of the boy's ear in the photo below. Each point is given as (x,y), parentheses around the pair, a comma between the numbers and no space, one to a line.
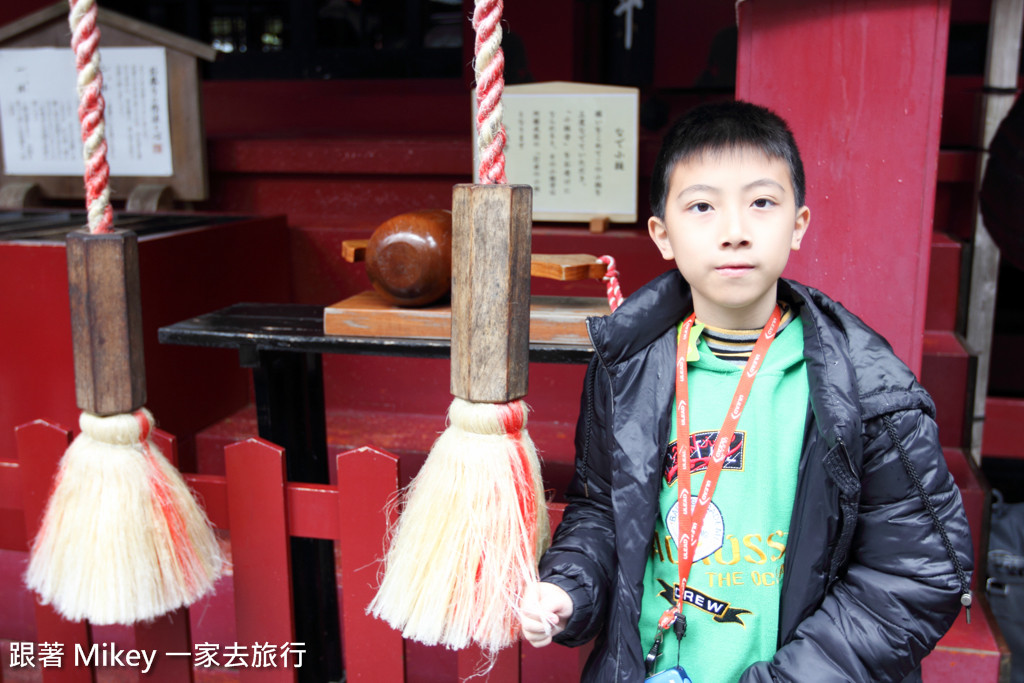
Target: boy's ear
(803,220)
(659,234)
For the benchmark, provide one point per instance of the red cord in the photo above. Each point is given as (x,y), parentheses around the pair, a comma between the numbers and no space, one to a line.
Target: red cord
(611,277)
(489,88)
(85,38)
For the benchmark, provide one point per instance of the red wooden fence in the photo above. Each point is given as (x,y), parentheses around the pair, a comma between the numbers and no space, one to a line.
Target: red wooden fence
(260,510)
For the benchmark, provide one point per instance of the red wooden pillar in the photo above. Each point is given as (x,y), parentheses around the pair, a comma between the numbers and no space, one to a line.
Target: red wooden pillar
(40,447)
(860,82)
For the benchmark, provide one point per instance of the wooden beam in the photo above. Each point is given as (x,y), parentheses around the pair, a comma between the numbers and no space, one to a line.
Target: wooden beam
(1001,72)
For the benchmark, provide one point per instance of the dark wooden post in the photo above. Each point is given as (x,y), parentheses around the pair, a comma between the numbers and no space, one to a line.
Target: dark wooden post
(106,321)
(491,227)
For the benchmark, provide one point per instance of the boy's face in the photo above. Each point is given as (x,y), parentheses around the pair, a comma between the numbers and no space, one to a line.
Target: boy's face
(730,223)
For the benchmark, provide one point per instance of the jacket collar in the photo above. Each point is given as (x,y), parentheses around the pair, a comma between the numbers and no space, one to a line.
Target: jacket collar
(866,383)
(643,317)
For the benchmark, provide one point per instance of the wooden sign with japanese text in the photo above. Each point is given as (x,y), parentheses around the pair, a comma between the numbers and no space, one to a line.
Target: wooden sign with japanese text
(153,116)
(576,145)
(39,105)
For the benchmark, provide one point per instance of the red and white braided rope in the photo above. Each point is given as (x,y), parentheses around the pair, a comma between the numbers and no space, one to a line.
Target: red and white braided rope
(489,65)
(611,278)
(85,38)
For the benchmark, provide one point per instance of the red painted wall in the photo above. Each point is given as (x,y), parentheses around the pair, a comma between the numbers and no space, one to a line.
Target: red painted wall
(183,273)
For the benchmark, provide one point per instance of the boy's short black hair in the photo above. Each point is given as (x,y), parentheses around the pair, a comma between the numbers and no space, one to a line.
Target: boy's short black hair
(719,126)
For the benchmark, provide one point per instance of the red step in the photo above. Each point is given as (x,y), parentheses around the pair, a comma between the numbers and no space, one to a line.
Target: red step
(969,652)
(943,283)
(1003,420)
(408,436)
(946,371)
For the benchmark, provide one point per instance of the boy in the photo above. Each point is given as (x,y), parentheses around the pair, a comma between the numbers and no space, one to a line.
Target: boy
(826,539)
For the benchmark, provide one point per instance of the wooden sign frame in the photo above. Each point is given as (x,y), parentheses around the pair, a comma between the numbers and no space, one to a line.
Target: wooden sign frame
(584,142)
(49,28)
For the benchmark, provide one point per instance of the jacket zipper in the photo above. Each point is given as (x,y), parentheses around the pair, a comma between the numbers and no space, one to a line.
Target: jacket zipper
(588,421)
(848,520)
(588,384)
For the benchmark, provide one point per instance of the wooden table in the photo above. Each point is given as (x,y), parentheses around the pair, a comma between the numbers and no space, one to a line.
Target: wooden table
(283,345)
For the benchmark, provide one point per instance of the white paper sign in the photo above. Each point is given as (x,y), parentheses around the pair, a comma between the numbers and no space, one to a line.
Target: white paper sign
(576,145)
(39,112)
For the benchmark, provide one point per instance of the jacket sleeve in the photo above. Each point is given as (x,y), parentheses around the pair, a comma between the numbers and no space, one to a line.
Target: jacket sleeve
(582,555)
(901,590)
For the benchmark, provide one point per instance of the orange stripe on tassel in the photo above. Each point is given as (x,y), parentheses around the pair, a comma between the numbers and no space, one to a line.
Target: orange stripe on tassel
(513,417)
(184,553)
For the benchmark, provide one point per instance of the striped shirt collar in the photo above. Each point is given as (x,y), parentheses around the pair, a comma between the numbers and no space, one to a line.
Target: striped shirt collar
(734,346)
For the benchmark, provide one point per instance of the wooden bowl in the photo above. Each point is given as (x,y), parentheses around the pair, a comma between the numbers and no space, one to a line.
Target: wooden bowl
(409,257)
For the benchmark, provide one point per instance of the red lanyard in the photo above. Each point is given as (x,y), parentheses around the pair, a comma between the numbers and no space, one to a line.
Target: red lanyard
(691,522)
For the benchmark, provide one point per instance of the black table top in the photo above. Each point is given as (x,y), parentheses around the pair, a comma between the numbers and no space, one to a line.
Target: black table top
(300,328)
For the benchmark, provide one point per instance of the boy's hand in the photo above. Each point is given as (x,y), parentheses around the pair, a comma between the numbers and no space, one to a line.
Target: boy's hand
(546,610)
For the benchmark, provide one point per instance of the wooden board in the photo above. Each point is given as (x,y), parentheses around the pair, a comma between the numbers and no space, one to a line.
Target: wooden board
(553,319)
(567,267)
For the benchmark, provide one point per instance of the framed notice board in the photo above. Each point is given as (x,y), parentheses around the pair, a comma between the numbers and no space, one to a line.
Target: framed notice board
(576,145)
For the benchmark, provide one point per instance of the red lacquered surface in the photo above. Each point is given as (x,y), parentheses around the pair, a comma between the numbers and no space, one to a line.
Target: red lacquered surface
(260,550)
(1003,420)
(946,374)
(169,633)
(943,283)
(40,446)
(367,480)
(506,665)
(867,116)
(12,524)
(968,652)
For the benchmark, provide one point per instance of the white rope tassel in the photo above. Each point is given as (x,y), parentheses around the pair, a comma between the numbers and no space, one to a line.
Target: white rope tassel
(471,538)
(122,540)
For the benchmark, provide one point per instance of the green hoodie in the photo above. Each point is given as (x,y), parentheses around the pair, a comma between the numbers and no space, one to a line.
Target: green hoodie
(732,601)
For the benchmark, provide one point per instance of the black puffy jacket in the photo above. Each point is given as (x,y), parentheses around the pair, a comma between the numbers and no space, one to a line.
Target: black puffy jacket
(869,585)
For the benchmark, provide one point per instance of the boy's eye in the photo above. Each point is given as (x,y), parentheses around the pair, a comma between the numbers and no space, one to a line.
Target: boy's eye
(763,203)
(701,207)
